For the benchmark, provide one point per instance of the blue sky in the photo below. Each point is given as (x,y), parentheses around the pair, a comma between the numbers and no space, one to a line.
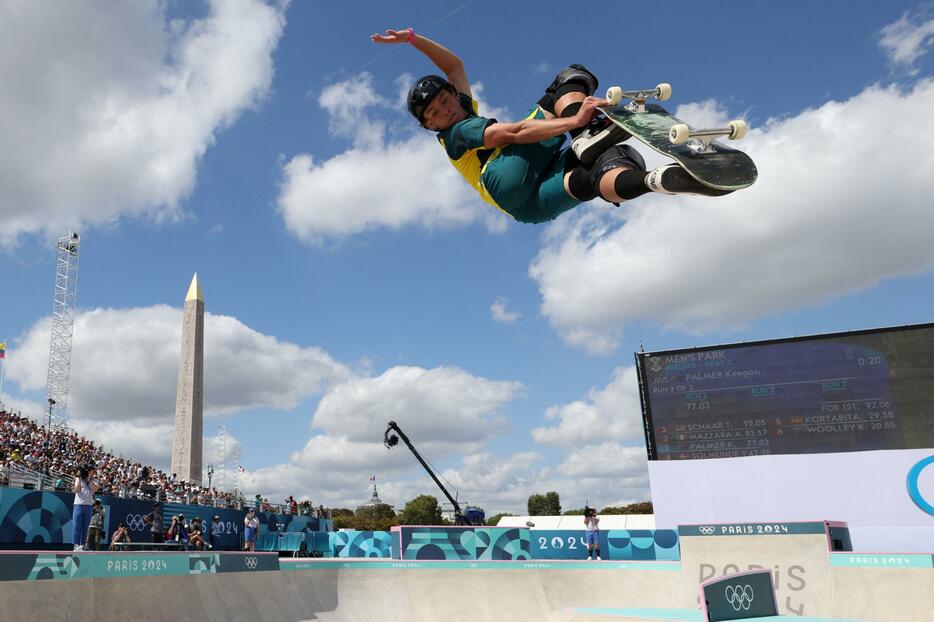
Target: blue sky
(350,275)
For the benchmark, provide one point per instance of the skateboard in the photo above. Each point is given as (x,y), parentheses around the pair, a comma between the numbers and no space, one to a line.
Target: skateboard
(696,150)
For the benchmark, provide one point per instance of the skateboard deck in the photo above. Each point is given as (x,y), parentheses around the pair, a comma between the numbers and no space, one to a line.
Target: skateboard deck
(719,167)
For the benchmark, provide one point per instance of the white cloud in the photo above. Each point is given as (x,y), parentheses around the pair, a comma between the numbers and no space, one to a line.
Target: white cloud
(122,397)
(107,109)
(543,69)
(606,460)
(841,203)
(705,114)
(501,313)
(395,175)
(602,474)
(447,413)
(612,413)
(444,404)
(125,366)
(907,39)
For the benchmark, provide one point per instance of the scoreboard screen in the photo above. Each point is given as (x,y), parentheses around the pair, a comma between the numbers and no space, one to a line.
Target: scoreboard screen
(853,391)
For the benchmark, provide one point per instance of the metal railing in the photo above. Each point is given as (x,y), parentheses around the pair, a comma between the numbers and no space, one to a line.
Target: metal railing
(22,476)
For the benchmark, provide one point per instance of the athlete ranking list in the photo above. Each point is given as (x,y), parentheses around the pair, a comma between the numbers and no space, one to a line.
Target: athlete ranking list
(775,399)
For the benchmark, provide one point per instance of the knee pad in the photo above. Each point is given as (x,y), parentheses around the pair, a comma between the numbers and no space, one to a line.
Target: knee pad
(581,185)
(571,79)
(575,74)
(615,157)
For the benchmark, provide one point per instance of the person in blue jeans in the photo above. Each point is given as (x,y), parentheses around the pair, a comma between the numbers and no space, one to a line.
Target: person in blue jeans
(250,529)
(217,530)
(592,523)
(84,488)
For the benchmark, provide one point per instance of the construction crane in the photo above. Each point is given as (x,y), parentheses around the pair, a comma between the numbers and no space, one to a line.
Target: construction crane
(474,516)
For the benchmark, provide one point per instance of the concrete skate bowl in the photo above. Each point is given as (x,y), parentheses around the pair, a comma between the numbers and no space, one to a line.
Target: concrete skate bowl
(810,583)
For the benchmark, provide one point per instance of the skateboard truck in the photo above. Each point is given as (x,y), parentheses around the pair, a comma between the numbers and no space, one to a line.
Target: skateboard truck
(661,92)
(700,139)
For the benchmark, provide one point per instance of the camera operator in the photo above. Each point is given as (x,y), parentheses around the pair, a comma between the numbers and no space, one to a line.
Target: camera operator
(592,523)
(84,488)
(121,536)
(178,532)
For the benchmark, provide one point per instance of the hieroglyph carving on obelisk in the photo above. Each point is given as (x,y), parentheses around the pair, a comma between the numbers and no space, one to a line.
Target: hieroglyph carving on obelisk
(189,417)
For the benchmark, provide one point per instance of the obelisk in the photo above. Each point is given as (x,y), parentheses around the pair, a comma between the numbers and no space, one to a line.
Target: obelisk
(189,398)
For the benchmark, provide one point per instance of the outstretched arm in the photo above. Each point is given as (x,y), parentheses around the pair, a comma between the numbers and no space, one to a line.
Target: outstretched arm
(536,130)
(444,59)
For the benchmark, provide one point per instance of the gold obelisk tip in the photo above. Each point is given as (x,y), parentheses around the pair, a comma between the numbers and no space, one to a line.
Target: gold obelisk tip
(194,292)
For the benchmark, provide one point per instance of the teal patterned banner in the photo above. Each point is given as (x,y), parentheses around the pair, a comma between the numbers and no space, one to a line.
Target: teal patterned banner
(58,566)
(463,543)
(502,543)
(615,544)
(350,543)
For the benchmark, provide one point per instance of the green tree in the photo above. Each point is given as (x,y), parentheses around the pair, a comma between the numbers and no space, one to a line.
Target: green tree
(422,510)
(645,507)
(548,504)
(552,504)
(378,517)
(343,518)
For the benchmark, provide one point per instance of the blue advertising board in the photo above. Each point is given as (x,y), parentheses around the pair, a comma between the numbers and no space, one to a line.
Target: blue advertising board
(42,518)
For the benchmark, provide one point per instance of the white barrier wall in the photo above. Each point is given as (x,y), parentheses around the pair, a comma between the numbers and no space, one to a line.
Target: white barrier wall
(870,490)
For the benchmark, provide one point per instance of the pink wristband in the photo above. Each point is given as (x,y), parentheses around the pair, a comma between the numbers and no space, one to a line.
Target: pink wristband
(411,38)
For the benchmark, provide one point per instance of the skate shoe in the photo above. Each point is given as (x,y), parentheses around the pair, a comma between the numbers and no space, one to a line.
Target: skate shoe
(672,179)
(597,136)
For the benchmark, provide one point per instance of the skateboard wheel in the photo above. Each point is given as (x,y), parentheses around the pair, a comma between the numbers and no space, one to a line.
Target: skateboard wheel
(679,134)
(614,94)
(738,129)
(663,91)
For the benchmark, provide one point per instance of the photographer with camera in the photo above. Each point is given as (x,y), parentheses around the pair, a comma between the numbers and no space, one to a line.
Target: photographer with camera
(178,532)
(592,523)
(121,536)
(84,488)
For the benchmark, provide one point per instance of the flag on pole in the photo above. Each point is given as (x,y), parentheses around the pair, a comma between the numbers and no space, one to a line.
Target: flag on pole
(241,469)
(372,478)
(2,349)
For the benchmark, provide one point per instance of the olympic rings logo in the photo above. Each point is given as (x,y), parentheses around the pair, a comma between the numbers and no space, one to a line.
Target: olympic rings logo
(914,490)
(707,530)
(740,596)
(134,522)
(251,563)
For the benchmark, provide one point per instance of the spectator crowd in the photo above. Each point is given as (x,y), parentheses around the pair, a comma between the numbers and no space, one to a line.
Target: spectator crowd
(59,454)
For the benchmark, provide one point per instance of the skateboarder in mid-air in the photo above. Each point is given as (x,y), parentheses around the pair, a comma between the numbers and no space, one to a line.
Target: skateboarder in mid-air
(524,168)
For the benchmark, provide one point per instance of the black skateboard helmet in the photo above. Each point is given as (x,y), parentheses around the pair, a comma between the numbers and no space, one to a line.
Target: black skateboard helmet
(423,91)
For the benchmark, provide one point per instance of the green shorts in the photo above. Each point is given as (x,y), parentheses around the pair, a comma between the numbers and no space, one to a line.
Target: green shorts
(527,181)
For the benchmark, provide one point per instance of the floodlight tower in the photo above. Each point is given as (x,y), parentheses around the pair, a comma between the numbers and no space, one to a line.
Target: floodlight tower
(64,303)
(221,460)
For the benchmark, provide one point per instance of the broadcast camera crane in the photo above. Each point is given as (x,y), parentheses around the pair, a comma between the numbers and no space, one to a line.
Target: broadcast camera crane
(391,440)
